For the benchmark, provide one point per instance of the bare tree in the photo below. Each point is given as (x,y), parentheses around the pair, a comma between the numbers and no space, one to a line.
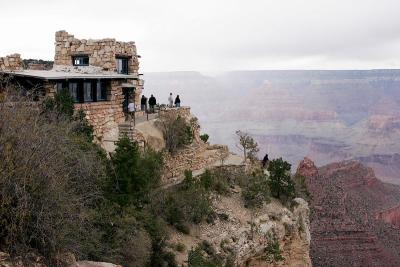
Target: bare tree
(247,145)
(176,130)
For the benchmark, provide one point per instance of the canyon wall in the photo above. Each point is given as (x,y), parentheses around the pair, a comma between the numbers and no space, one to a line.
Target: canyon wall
(350,223)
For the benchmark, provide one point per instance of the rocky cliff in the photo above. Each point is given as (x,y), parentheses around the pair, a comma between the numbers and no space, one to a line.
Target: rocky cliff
(351,223)
(246,234)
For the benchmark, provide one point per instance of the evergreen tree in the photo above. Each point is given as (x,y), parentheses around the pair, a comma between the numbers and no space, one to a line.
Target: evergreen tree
(280,181)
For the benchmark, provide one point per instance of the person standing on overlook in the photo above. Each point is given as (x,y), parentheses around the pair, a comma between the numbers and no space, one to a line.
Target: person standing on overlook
(170,100)
(152,103)
(177,101)
(131,112)
(143,103)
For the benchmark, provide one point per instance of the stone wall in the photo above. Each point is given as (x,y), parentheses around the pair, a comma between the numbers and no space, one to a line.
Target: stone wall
(105,116)
(102,53)
(11,62)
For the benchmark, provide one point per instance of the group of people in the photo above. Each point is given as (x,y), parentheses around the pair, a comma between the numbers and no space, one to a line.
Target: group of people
(171,101)
(153,102)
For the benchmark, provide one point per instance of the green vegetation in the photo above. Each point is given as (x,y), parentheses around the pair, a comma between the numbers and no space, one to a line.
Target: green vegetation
(177,132)
(62,104)
(255,190)
(204,255)
(248,145)
(280,181)
(204,137)
(60,193)
(133,173)
(189,203)
(273,253)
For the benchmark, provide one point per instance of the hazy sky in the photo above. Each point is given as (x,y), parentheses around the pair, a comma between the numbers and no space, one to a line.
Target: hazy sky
(216,35)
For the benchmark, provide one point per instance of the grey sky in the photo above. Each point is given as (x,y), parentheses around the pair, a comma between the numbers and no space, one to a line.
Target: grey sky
(216,35)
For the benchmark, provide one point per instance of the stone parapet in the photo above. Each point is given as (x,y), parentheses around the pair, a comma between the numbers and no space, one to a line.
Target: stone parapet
(11,62)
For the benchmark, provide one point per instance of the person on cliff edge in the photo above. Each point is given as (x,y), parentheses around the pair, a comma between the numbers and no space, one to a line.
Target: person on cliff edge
(170,100)
(177,101)
(143,103)
(152,103)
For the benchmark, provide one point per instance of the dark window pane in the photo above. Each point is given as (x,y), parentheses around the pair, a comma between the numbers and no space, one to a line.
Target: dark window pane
(87,92)
(122,65)
(59,87)
(73,91)
(80,61)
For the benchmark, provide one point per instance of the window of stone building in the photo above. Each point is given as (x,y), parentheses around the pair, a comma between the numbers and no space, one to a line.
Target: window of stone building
(87,92)
(80,60)
(102,88)
(122,65)
(61,86)
(73,91)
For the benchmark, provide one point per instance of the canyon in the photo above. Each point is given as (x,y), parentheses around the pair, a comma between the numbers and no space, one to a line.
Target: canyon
(351,222)
(328,116)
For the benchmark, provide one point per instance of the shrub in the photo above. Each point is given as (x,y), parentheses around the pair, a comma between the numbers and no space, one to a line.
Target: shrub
(280,181)
(214,181)
(204,137)
(273,253)
(204,255)
(156,228)
(82,127)
(176,131)
(180,247)
(255,190)
(62,104)
(188,203)
(133,173)
(48,184)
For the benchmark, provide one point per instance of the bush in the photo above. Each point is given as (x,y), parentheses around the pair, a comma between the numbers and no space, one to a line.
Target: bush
(204,137)
(62,104)
(180,247)
(214,181)
(280,181)
(273,253)
(189,202)
(255,190)
(48,184)
(157,230)
(133,173)
(176,131)
(204,255)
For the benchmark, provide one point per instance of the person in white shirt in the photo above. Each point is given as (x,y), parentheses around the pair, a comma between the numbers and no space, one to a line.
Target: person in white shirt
(131,110)
(170,100)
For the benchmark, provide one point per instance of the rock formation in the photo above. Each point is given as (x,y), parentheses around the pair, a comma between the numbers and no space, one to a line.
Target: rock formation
(247,233)
(350,223)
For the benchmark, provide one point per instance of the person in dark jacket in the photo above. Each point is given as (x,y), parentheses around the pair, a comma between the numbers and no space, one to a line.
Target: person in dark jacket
(143,103)
(152,103)
(177,101)
(265,161)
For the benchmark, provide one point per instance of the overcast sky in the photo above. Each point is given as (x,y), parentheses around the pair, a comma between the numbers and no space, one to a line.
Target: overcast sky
(216,35)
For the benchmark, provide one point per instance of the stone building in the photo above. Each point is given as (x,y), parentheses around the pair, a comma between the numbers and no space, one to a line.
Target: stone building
(101,75)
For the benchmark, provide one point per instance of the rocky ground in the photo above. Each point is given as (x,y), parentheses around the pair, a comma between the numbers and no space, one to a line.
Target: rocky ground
(247,233)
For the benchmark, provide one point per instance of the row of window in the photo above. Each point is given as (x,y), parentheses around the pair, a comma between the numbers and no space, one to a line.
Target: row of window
(122,63)
(86,91)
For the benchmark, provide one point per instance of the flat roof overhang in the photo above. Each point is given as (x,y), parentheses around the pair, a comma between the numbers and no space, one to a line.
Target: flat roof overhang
(61,75)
